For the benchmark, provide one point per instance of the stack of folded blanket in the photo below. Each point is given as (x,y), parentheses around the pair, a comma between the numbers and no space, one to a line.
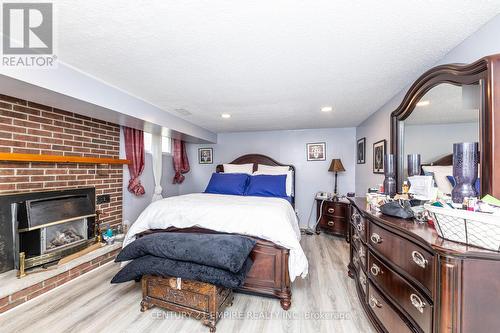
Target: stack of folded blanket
(218,259)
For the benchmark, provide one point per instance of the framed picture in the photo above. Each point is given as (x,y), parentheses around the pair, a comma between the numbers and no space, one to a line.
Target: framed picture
(316,151)
(361,151)
(205,155)
(378,156)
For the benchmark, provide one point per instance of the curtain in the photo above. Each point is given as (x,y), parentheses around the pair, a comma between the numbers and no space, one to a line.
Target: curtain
(181,163)
(134,151)
(156,151)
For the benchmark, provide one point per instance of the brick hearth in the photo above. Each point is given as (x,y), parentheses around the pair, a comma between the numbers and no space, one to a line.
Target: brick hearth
(13,291)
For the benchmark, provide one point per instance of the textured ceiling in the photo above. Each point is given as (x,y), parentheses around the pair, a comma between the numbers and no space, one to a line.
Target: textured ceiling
(270,64)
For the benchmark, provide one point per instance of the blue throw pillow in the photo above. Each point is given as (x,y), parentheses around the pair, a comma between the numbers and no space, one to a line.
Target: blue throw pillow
(227,183)
(477,184)
(267,186)
(452,181)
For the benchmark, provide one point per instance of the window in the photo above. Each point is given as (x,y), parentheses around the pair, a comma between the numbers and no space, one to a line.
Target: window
(166,143)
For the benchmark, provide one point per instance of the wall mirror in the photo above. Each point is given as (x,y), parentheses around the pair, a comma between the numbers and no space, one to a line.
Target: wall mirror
(449,104)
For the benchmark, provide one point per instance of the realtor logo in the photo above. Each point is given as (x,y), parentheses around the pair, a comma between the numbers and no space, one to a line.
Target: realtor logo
(27,29)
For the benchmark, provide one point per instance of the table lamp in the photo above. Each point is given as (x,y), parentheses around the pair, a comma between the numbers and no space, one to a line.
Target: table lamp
(336,166)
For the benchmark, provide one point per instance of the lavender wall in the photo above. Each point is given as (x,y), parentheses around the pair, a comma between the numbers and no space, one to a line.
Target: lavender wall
(287,147)
(482,43)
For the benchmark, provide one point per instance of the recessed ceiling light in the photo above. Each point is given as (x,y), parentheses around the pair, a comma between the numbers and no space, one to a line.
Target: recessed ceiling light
(225,115)
(423,103)
(327,108)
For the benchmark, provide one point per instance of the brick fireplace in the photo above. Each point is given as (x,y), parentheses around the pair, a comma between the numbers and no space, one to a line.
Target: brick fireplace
(31,128)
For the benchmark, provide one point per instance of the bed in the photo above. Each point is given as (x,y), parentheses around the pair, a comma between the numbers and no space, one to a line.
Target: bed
(277,256)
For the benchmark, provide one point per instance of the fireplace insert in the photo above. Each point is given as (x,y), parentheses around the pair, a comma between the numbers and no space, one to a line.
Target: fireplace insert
(47,226)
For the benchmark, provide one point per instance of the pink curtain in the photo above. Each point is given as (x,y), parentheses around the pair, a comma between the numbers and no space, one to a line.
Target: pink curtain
(181,163)
(134,150)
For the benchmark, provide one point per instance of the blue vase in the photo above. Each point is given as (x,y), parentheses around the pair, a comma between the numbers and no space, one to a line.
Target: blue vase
(465,167)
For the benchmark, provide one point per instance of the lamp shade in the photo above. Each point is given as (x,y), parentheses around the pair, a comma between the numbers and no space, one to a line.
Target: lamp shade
(336,165)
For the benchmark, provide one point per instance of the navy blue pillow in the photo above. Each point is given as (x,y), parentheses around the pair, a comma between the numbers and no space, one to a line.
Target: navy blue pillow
(477,184)
(227,183)
(267,186)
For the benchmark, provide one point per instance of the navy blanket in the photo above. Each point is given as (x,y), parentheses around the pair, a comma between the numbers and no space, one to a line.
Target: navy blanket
(228,252)
(151,265)
(213,258)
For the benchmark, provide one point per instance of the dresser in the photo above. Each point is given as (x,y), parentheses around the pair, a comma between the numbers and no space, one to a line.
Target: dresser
(334,216)
(410,280)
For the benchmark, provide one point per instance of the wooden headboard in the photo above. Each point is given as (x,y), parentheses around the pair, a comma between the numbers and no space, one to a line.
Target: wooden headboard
(261,159)
(445,160)
(442,161)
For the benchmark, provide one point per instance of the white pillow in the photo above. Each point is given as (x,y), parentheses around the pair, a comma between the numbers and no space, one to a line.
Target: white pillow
(440,176)
(277,170)
(238,168)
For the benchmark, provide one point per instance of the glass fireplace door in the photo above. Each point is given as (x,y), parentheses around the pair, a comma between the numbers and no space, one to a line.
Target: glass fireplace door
(59,236)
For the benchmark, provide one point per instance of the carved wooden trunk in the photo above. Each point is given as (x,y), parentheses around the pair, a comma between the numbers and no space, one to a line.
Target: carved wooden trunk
(203,301)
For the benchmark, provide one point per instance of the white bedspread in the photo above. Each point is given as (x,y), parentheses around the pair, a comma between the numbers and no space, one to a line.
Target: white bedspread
(271,219)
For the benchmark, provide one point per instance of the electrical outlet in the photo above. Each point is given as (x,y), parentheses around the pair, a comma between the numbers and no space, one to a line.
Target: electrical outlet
(101,199)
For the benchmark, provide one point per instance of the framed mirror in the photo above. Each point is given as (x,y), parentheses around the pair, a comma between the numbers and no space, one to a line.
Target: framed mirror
(449,104)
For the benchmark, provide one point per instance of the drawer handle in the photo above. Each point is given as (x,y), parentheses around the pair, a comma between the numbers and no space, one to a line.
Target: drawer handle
(375,269)
(331,210)
(374,303)
(375,238)
(330,223)
(419,259)
(417,303)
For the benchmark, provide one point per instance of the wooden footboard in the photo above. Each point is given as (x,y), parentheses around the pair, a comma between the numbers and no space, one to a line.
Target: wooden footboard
(269,273)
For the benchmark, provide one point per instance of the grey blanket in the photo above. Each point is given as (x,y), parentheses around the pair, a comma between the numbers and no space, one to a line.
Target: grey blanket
(223,251)
(151,265)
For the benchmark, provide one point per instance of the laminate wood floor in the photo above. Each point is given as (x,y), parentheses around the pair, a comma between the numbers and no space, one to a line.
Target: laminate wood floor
(325,301)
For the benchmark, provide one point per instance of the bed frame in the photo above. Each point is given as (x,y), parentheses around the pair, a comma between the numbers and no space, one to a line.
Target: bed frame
(269,273)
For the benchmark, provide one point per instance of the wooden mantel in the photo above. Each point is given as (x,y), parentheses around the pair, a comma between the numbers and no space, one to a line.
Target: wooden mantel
(59,159)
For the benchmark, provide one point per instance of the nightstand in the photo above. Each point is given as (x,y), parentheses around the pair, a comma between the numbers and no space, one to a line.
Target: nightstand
(334,217)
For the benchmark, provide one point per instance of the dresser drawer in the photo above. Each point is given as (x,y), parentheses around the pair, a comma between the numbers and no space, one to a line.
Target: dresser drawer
(333,224)
(335,208)
(411,258)
(385,313)
(411,300)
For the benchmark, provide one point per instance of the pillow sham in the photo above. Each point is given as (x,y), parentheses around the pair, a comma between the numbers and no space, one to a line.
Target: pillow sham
(267,186)
(277,170)
(151,265)
(440,173)
(227,183)
(227,252)
(238,168)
